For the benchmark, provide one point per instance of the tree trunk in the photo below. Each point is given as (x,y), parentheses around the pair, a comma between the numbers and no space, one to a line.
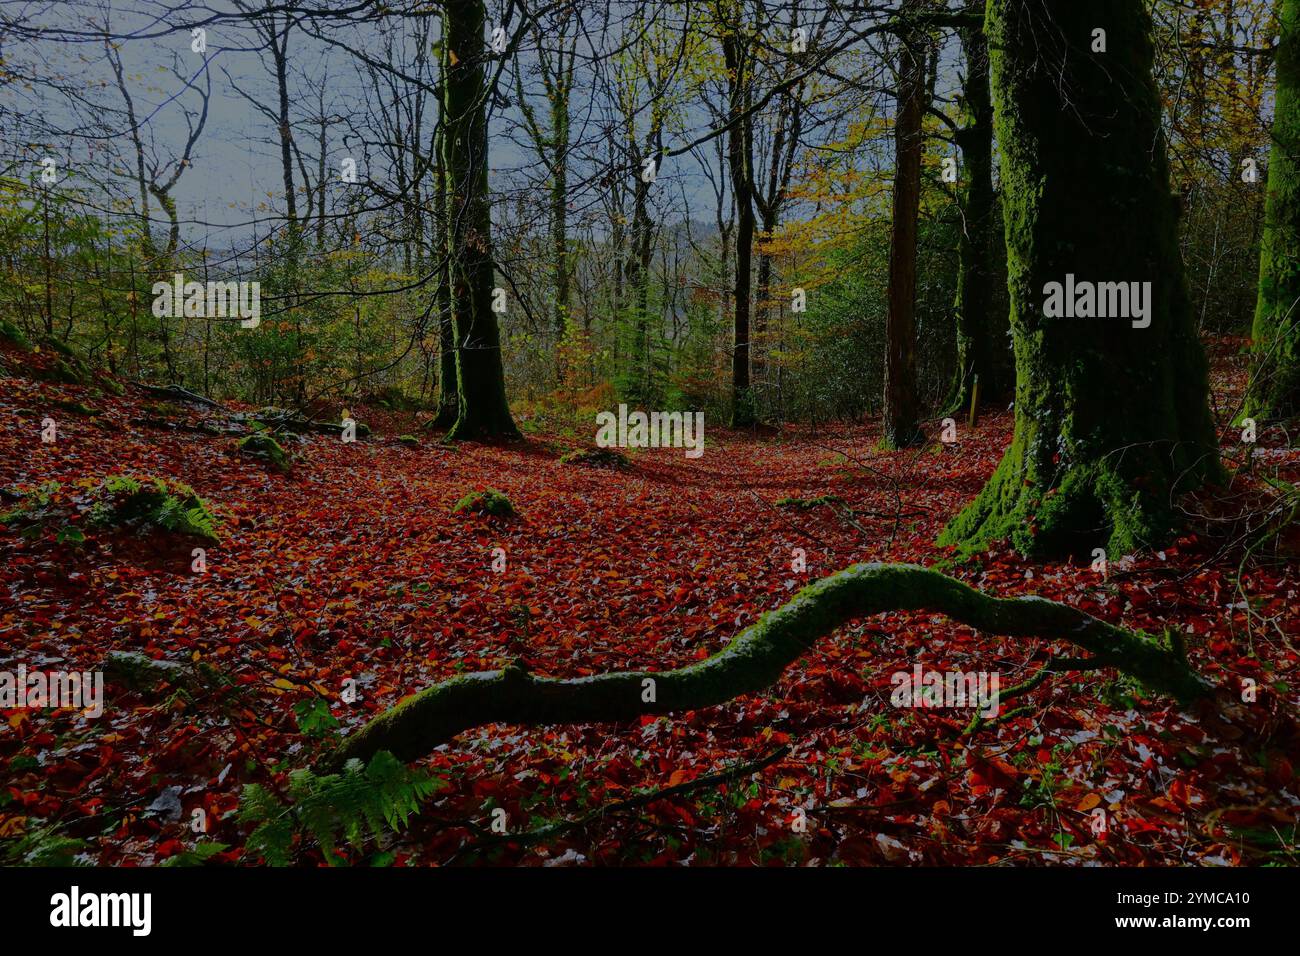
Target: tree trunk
(901,417)
(740,163)
(481,391)
(983,349)
(780,166)
(1275,381)
(637,282)
(1112,420)
(448,400)
(560,199)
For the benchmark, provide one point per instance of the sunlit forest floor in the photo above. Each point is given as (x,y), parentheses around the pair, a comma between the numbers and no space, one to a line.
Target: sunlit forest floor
(355,567)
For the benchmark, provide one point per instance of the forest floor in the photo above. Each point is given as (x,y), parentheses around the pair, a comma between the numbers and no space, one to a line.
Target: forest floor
(354,567)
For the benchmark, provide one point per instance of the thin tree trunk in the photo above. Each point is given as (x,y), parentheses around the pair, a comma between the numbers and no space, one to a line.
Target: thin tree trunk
(448,397)
(739,161)
(983,348)
(901,420)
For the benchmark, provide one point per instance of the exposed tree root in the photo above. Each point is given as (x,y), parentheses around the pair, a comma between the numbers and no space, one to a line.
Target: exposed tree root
(755,660)
(179,394)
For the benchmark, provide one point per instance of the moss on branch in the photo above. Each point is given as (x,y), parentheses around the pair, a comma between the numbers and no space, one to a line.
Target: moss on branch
(755,660)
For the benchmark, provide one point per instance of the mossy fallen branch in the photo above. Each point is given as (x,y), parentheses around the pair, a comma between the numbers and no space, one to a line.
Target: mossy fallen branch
(178,393)
(754,660)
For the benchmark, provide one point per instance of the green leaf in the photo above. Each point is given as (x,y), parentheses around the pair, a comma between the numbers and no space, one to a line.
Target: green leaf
(70,534)
(201,853)
(314,718)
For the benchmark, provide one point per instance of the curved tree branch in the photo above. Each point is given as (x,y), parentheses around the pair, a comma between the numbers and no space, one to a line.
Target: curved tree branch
(755,660)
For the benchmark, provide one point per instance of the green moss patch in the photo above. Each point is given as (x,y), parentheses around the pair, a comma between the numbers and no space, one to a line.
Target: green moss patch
(263,446)
(486,502)
(76,408)
(9,332)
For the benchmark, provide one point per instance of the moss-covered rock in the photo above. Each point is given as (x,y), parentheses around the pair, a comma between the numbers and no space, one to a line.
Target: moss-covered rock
(486,502)
(76,408)
(264,446)
(62,372)
(9,332)
(139,672)
(56,345)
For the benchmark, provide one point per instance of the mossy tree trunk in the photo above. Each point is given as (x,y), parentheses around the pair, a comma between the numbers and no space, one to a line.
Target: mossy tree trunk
(1112,420)
(1275,381)
(983,346)
(481,392)
(901,427)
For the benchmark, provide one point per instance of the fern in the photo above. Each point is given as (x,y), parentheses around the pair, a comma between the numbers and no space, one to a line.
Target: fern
(360,803)
(42,846)
(33,506)
(172,506)
(199,856)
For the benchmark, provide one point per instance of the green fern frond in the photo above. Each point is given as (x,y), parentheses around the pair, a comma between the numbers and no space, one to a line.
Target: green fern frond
(351,807)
